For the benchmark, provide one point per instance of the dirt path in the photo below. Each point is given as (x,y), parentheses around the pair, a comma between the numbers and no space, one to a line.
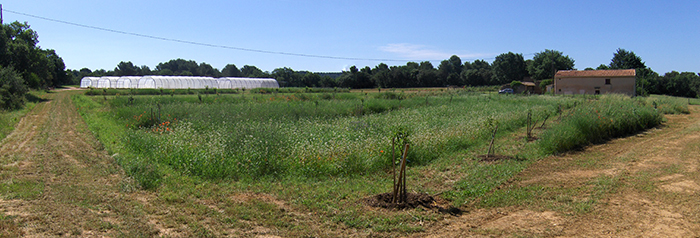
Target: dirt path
(58,181)
(645,185)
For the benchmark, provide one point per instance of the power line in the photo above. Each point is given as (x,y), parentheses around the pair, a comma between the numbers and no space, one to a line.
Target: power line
(199,43)
(218,46)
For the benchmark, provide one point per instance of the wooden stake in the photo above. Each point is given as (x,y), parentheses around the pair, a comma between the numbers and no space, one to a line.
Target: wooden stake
(393,168)
(493,137)
(402,177)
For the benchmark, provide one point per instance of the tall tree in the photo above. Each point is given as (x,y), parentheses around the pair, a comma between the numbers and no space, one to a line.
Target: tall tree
(427,74)
(648,82)
(311,80)
(178,67)
(252,72)
(230,70)
(478,73)
(381,75)
(546,63)
(287,77)
(205,69)
(623,59)
(126,69)
(508,67)
(38,67)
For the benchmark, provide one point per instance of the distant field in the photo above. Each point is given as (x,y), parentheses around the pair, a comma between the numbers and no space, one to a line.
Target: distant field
(301,146)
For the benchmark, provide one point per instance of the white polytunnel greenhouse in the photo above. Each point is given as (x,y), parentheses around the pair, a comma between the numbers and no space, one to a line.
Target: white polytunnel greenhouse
(107,82)
(128,82)
(248,83)
(177,82)
(87,82)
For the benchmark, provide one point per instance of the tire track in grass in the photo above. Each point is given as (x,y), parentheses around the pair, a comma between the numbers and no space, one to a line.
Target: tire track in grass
(55,181)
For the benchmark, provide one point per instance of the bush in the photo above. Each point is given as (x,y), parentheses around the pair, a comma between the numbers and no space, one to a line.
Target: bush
(597,121)
(12,89)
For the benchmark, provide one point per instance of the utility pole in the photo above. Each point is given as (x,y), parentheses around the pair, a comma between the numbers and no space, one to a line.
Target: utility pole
(0,13)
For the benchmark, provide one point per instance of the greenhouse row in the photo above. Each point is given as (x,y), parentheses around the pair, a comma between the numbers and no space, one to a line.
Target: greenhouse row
(175,82)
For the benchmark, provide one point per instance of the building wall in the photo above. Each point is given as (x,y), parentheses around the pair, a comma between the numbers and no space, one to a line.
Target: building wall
(622,85)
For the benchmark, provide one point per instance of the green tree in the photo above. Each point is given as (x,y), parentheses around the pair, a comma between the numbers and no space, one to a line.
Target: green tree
(427,74)
(477,73)
(205,69)
(287,77)
(545,63)
(178,67)
(311,80)
(230,70)
(38,67)
(12,89)
(508,67)
(449,71)
(252,72)
(686,84)
(648,82)
(381,75)
(126,69)
(623,59)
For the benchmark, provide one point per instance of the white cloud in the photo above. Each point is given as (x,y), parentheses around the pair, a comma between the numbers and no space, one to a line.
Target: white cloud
(422,52)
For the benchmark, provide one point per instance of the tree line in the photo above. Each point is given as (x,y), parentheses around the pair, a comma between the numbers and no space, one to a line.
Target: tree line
(24,65)
(505,68)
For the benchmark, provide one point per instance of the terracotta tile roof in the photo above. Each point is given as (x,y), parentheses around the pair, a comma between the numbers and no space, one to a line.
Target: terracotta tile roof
(595,73)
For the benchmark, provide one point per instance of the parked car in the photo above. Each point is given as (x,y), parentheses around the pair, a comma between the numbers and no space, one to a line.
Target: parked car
(506,91)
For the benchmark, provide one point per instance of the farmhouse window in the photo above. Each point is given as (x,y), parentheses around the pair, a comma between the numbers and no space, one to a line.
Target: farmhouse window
(607,81)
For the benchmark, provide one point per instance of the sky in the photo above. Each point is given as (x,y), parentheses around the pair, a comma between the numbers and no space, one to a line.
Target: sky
(332,35)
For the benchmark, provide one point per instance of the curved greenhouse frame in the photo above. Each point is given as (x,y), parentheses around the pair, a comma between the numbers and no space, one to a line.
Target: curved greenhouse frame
(87,82)
(128,82)
(177,82)
(107,82)
(249,83)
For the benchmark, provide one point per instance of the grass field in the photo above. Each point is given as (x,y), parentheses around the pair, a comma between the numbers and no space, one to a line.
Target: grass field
(325,151)
(8,119)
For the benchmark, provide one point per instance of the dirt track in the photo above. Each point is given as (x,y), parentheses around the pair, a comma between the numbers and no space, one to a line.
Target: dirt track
(52,150)
(654,181)
(651,190)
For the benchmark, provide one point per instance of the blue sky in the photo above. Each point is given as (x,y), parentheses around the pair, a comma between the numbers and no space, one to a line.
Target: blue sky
(665,34)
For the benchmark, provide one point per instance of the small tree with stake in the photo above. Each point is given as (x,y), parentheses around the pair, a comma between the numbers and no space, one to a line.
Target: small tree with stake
(399,141)
(492,123)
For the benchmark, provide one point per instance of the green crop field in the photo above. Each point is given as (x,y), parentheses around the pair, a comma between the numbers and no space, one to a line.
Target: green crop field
(325,151)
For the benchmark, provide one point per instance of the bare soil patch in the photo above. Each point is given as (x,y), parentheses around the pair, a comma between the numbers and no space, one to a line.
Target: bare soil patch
(494,158)
(413,200)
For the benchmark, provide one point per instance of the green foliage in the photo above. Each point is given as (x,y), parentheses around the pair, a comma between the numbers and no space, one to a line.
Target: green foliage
(623,59)
(668,105)
(186,68)
(230,70)
(546,63)
(546,82)
(275,136)
(9,119)
(12,89)
(515,84)
(38,67)
(597,121)
(508,67)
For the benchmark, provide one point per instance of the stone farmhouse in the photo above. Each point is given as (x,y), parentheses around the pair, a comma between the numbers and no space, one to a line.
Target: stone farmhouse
(620,81)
